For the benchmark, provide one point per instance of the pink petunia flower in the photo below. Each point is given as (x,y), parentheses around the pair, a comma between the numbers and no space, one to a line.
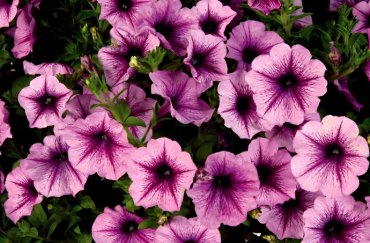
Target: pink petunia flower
(47,68)
(343,87)
(228,193)
(48,166)
(334,4)
(98,144)
(330,156)
(4,123)
(286,84)
(265,6)
(181,229)
(361,11)
(302,22)
(336,220)
(277,184)
(22,195)
(44,101)
(8,10)
(120,226)
(160,174)
(248,40)
(181,94)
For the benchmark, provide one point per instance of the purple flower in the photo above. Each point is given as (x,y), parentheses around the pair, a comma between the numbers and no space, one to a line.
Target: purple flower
(2,182)
(249,40)
(4,123)
(47,68)
(286,220)
(115,60)
(49,167)
(160,174)
(237,106)
(286,84)
(181,229)
(8,10)
(98,144)
(44,101)
(361,11)
(302,22)
(206,58)
(284,135)
(342,86)
(265,6)
(22,195)
(330,156)
(334,4)
(170,23)
(336,220)
(229,194)
(141,106)
(181,94)
(366,69)
(235,5)
(213,17)
(123,12)
(277,183)
(119,225)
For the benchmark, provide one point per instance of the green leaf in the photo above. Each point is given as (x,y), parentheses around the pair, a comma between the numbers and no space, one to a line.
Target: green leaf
(150,222)
(38,217)
(86,202)
(53,226)
(203,152)
(129,203)
(121,111)
(134,121)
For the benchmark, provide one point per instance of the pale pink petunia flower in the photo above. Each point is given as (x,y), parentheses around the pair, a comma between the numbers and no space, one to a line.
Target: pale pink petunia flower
(47,68)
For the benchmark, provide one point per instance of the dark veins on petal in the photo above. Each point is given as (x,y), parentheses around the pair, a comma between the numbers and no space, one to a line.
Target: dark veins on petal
(209,26)
(222,181)
(129,226)
(243,104)
(264,173)
(164,172)
(288,81)
(164,28)
(333,228)
(249,55)
(333,151)
(125,5)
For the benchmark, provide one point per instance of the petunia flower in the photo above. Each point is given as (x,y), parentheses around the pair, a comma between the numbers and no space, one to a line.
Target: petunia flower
(160,174)
(119,225)
(248,40)
(44,101)
(334,4)
(336,220)
(213,17)
(264,6)
(22,195)
(286,84)
(49,167)
(115,60)
(47,68)
(2,182)
(277,184)
(361,11)
(237,106)
(284,135)
(4,123)
(206,58)
(228,194)
(236,6)
(343,87)
(181,94)
(98,144)
(302,22)
(181,229)
(8,10)
(123,12)
(286,220)
(170,23)
(330,156)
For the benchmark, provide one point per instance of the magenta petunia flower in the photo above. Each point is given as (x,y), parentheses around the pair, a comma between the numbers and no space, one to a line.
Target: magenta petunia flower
(2,182)
(98,144)
(302,22)
(49,167)
(8,10)
(47,68)
(119,225)
(237,106)
(160,174)
(236,6)
(4,123)
(22,195)
(361,12)
(249,40)
(284,135)
(115,60)
(44,101)
(286,220)
(141,106)
(213,17)
(170,23)
(231,186)
(123,12)
(336,220)
(330,156)
(342,86)
(334,4)
(181,94)
(265,6)
(206,58)
(286,84)
(366,69)
(24,35)
(277,183)
(181,229)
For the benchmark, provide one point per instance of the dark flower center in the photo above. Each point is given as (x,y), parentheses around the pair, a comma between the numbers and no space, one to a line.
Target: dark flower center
(264,173)
(190,241)
(133,51)
(290,204)
(249,55)
(125,5)
(101,136)
(333,150)
(47,101)
(129,226)
(333,228)
(209,26)
(197,60)
(164,171)
(288,81)
(222,181)
(164,28)
(31,188)
(9,2)
(61,157)
(243,104)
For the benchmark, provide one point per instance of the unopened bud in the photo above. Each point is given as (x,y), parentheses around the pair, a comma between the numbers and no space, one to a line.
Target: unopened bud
(334,54)
(202,175)
(162,220)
